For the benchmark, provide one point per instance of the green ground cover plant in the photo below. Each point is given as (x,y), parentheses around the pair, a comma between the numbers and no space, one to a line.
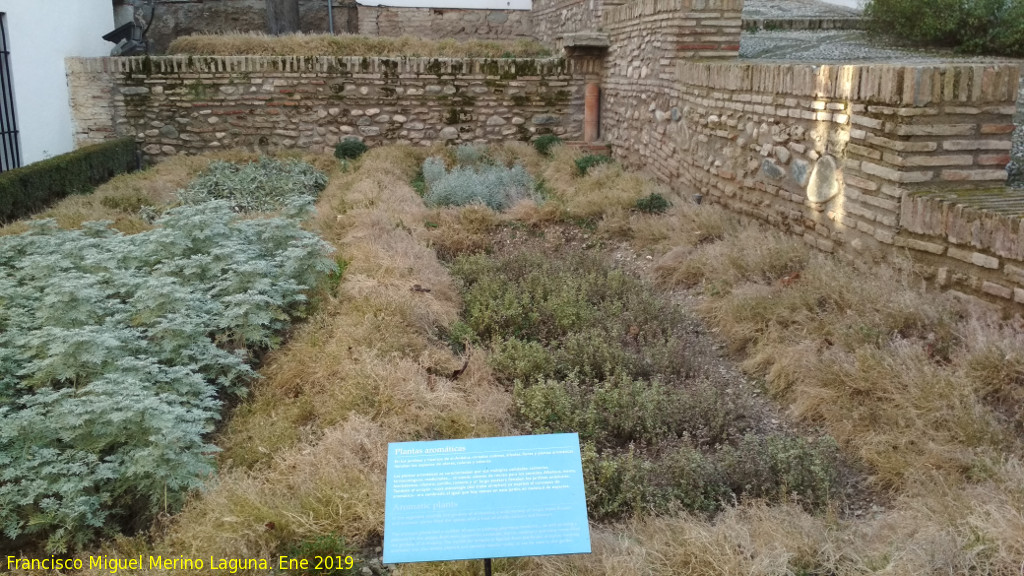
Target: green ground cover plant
(589,349)
(118,353)
(350,149)
(475,178)
(263,186)
(543,144)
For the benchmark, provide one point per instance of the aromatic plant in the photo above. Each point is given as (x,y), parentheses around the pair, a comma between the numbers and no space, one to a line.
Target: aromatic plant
(350,149)
(494,186)
(262,186)
(544,144)
(652,204)
(587,161)
(118,351)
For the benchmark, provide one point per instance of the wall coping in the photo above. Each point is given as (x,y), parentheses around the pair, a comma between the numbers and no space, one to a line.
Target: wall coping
(909,85)
(507,67)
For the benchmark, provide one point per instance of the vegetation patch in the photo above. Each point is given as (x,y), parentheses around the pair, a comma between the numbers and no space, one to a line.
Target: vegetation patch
(118,353)
(977,26)
(475,179)
(587,348)
(24,191)
(350,149)
(262,186)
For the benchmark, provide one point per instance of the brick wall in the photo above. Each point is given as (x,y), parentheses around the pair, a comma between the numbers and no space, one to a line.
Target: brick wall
(641,88)
(440,23)
(175,105)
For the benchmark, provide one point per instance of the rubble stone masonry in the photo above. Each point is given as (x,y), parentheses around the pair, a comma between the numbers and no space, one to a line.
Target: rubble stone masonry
(176,105)
(866,160)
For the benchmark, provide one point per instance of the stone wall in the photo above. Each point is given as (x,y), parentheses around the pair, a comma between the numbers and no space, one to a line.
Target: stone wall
(441,23)
(641,87)
(177,105)
(182,17)
(553,18)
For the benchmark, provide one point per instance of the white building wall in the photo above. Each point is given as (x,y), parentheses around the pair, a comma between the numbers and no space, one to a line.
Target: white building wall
(41,33)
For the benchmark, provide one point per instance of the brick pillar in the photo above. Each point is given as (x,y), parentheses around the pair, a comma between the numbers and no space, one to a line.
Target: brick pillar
(591,112)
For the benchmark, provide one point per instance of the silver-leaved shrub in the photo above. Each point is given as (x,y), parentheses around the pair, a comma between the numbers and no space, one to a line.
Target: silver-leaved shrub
(117,350)
(262,186)
(493,185)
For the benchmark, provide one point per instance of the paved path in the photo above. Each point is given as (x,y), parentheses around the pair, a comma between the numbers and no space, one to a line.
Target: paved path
(795,9)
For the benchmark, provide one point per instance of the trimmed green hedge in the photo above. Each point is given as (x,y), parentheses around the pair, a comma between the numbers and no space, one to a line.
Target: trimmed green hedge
(26,190)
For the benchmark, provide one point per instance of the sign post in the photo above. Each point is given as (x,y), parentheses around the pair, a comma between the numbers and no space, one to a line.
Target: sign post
(485,498)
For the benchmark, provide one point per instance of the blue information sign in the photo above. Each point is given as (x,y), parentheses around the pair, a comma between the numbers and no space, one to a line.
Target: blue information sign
(485,498)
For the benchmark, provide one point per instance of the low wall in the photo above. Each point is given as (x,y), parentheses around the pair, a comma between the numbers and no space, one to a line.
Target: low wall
(176,105)
(441,23)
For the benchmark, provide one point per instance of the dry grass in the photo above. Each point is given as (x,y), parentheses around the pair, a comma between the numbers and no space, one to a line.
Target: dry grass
(306,452)
(924,391)
(121,199)
(256,44)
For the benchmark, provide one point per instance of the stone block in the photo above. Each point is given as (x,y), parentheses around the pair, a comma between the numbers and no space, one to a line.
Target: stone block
(997,290)
(976,258)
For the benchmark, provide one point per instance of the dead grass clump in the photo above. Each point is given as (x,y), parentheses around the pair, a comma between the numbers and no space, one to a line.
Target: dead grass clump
(335,485)
(461,231)
(304,45)
(605,188)
(306,453)
(751,255)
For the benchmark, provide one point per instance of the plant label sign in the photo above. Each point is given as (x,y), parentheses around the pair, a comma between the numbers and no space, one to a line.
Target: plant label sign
(485,498)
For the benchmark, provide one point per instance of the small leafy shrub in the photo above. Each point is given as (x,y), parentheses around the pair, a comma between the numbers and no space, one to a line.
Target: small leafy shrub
(780,467)
(350,149)
(976,26)
(653,204)
(543,144)
(262,186)
(588,349)
(617,484)
(586,162)
(131,203)
(118,351)
(496,187)
(33,187)
(581,316)
(470,155)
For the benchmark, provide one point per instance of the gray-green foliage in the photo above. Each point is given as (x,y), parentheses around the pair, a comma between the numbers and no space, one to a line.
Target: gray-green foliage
(116,352)
(475,181)
(262,186)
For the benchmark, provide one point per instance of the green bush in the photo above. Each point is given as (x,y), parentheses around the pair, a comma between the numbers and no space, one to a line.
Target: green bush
(32,188)
(545,143)
(262,186)
(617,484)
(588,349)
(587,161)
(581,316)
(975,26)
(117,353)
(653,204)
(496,187)
(780,467)
(350,149)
